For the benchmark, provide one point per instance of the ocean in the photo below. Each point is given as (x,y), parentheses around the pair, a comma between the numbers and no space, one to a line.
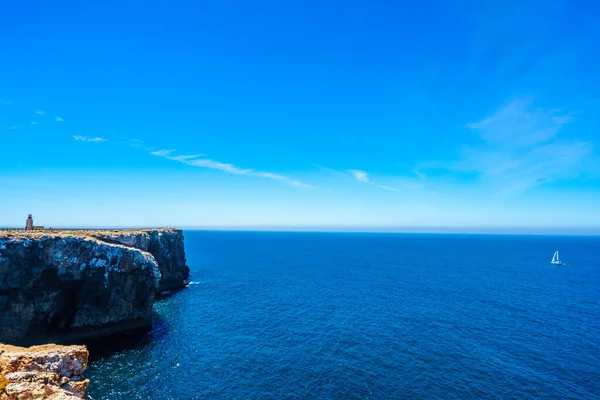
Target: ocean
(273,315)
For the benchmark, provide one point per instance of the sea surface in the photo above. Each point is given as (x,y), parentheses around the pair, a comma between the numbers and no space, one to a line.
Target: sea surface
(368,316)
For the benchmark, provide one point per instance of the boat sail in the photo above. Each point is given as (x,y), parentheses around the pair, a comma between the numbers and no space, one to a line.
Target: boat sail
(555,259)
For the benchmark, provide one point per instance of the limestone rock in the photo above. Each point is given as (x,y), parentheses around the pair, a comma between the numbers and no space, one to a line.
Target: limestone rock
(66,287)
(78,388)
(166,245)
(43,372)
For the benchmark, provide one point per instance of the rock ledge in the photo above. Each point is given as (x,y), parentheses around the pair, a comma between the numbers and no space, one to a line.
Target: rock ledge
(43,372)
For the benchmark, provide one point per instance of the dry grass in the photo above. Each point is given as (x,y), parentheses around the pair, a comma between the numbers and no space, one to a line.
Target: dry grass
(77,232)
(3,383)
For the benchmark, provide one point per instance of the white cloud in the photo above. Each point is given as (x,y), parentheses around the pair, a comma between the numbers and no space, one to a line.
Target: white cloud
(519,124)
(195,161)
(384,187)
(418,173)
(33,123)
(39,112)
(521,148)
(162,153)
(185,158)
(330,170)
(5,102)
(11,128)
(87,139)
(363,176)
(212,164)
(359,175)
(59,119)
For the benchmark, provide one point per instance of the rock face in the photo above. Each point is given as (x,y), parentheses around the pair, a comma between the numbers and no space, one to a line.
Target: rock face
(43,372)
(166,245)
(66,286)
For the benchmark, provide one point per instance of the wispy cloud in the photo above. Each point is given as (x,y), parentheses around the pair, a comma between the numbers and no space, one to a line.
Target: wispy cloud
(521,148)
(359,175)
(389,188)
(59,119)
(33,123)
(518,125)
(185,158)
(161,153)
(5,102)
(88,139)
(364,177)
(195,161)
(212,164)
(11,128)
(418,173)
(40,112)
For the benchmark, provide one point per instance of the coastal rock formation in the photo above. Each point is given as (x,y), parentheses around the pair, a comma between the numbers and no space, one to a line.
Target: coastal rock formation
(166,245)
(65,287)
(43,372)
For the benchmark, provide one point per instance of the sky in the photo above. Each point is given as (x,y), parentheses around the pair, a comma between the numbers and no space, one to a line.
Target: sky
(341,115)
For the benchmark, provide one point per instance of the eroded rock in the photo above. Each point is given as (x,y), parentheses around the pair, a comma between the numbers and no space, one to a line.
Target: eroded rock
(43,372)
(166,245)
(57,287)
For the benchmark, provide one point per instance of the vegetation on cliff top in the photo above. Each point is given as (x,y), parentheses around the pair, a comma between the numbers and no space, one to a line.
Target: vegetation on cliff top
(78,232)
(3,383)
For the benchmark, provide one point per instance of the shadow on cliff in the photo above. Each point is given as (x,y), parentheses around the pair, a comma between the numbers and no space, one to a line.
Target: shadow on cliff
(106,347)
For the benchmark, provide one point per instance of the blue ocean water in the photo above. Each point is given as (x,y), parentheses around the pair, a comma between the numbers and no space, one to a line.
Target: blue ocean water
(370,316)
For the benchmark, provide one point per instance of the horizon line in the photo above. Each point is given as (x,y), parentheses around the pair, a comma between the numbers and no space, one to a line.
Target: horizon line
(474,230)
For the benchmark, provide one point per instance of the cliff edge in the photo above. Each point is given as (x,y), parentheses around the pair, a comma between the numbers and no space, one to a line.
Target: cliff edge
(166,245)
(65,286)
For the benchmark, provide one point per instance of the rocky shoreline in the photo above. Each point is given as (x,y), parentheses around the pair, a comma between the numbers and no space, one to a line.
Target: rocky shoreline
(43,372)
(61,286)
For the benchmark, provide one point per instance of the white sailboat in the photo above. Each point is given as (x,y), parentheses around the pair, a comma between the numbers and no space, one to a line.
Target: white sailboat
(556,260)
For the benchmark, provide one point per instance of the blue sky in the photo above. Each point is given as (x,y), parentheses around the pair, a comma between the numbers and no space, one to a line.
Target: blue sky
(331,114)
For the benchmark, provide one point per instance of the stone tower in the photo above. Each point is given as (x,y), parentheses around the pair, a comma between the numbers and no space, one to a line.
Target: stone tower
(29,223)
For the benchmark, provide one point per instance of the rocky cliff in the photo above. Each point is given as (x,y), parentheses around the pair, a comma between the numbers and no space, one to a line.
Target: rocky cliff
(42,372)
(166,245)
(65,286)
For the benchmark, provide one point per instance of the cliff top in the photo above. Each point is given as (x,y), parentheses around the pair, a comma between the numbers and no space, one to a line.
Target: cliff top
(4,233)
(6,348)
